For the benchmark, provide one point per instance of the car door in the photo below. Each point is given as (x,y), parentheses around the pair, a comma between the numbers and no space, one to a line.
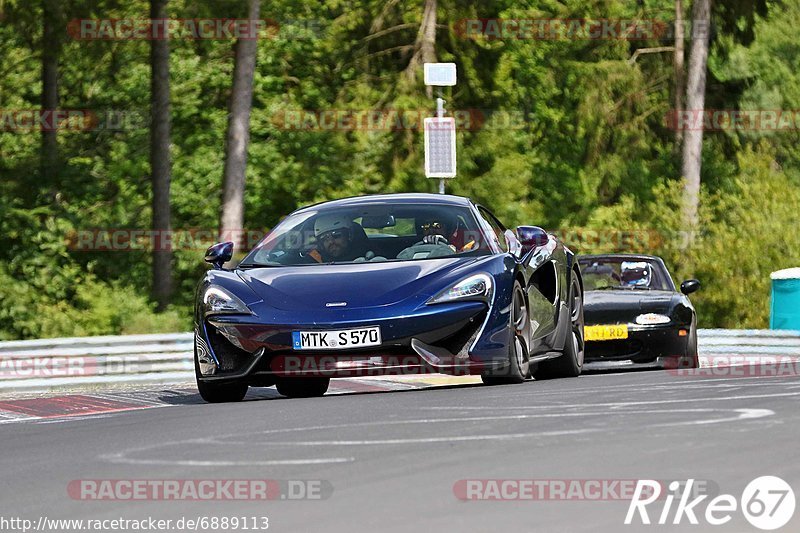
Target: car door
(540,272)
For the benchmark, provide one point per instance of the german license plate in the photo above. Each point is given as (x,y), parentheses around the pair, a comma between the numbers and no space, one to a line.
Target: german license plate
(605,333)
(336,340)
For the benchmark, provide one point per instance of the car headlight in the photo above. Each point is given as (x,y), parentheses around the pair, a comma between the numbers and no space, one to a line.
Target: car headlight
(652,319)
(476,287)
(218,301)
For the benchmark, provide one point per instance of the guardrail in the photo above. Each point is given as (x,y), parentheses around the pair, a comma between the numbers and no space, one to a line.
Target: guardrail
(87,362)
(95,361)
(748,342)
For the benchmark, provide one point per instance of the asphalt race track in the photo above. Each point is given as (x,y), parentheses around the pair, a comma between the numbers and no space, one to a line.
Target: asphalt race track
(400,460)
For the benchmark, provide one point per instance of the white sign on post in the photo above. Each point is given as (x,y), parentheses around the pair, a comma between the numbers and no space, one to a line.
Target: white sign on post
(440,74)
(440,132)
(440,147)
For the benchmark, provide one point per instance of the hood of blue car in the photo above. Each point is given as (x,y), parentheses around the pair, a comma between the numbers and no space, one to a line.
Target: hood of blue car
(357,286)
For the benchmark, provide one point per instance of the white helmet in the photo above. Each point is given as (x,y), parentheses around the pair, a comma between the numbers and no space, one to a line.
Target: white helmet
(326,223)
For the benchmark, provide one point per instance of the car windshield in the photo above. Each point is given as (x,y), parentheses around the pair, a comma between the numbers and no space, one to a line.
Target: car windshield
(370,233)
(620,273)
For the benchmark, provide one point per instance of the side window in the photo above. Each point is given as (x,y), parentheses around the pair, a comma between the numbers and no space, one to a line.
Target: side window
(497,228)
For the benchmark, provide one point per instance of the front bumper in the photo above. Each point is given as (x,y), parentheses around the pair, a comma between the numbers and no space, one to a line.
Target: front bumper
(645,347)
(437,339)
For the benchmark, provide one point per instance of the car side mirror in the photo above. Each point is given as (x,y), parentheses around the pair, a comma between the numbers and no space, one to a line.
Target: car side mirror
(689,286)
(512,243)
(531,237)
(219,254)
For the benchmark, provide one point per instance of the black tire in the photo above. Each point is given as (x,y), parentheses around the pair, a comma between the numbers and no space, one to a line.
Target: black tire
(222,393)
(570,363)
(303,387)
(218,392)
(691,359)
(518,368)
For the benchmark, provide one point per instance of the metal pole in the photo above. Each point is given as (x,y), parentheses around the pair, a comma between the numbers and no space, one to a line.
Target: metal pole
(440,114)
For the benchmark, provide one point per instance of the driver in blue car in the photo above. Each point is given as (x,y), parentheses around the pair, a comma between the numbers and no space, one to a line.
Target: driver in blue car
(337,240)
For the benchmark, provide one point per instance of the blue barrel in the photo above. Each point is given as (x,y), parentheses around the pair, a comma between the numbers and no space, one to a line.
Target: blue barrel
(785,311)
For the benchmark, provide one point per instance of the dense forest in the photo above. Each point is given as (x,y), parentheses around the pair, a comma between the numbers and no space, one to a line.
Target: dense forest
(581,135)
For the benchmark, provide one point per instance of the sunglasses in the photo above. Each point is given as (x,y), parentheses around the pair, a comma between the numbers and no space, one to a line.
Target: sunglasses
(432,226)
(333,235)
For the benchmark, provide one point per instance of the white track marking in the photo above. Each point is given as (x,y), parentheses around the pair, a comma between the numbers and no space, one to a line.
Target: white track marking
(644,387)
(225,440)
(744,414)
(429,440)
(119,459)
(123,457)
(619,404)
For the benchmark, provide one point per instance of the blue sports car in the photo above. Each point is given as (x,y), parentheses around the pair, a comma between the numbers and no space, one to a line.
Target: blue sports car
(388,284)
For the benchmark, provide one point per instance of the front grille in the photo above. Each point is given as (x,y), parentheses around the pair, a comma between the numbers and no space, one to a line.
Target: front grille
(614,349)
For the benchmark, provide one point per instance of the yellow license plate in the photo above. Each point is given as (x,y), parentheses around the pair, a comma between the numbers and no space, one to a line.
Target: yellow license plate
(605,333)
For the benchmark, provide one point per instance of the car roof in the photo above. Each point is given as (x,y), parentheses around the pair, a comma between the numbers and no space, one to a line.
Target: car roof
(396,199)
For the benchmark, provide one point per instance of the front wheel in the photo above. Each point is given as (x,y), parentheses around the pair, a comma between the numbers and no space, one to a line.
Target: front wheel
(570,363)
(518,368)
(218,392)
(691,359)
(221,393)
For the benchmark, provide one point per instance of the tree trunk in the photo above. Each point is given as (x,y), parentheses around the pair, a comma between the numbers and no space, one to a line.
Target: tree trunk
(695,104)
(425,45)
(160,162)
(679,67)
(238,136)
(51,49)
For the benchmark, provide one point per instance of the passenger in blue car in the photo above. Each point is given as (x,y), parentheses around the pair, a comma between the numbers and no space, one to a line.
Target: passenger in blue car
(445,230)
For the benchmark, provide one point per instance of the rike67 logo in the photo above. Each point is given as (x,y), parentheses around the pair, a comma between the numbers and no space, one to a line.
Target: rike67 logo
(767,502)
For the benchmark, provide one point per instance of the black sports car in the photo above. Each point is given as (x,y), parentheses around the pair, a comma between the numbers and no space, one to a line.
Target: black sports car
(635,317)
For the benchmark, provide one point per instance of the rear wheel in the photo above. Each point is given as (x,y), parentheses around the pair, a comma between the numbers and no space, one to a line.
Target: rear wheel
(518,368)
(570,363)
(303,387)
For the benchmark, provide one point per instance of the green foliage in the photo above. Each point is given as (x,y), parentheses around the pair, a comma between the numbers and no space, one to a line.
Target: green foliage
(574,138)
(751,234)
